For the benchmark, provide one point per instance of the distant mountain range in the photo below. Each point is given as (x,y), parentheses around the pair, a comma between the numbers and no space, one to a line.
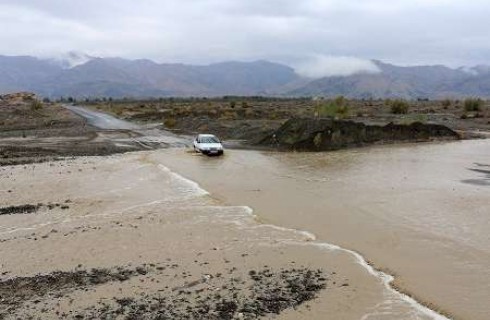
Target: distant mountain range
(404,82)
(84,76)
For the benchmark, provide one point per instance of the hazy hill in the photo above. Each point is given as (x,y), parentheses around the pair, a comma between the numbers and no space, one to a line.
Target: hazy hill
(120,77)
(24,73)
(404,82)
(84,76)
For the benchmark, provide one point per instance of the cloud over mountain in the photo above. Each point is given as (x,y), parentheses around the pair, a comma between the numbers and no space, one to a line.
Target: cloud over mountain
(320,66)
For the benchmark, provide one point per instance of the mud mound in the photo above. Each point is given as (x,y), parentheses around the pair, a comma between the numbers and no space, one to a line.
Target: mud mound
(309,134)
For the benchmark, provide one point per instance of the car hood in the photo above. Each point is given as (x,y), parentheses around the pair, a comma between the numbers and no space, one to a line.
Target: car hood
(210,145)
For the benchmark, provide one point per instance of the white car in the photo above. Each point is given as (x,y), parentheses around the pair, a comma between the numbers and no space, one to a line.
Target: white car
(208,144)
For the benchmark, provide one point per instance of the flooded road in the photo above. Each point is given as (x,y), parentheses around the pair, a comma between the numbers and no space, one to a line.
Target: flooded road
(147,136)
(418,212)
(102,120)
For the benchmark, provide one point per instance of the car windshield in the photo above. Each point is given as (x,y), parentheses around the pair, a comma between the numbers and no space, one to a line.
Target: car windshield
(208,139)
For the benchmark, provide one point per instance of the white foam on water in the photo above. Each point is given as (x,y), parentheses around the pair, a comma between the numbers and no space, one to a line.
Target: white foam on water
(384,277)
(189,187)
(387,280)
(304,235)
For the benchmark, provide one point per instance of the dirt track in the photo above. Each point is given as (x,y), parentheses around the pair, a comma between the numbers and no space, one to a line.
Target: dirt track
(51,131)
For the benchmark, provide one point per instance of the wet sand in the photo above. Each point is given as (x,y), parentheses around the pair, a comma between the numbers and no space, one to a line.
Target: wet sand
(125,236)
(418,212)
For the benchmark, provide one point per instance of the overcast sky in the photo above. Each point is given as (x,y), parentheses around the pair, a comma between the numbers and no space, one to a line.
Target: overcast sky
(312,35)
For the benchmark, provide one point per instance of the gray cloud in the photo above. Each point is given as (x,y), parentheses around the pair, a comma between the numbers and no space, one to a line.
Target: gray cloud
(201,31)
(320,66)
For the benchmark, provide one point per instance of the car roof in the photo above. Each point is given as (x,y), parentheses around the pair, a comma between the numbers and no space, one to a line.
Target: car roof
(206,135)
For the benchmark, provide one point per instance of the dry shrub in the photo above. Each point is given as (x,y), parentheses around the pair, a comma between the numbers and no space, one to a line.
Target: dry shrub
(170,123)
(399,107)
(36,105)
(229,115)
(473,105)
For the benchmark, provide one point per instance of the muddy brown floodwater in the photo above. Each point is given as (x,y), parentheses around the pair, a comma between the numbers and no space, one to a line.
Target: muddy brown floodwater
(420,212)
(125,237)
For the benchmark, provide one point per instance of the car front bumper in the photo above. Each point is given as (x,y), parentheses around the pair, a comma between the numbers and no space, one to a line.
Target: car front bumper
(212,152)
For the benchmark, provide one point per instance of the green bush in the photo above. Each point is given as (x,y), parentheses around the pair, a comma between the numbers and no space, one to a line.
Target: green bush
(337,108)
(399,107)
(473,105)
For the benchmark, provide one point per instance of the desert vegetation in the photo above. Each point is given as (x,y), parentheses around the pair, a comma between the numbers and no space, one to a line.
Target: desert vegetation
(473,105)
(36,105)
(399,106)
(337,108)
(237,117)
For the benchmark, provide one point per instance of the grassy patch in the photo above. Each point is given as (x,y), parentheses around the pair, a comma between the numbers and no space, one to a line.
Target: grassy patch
(337,108)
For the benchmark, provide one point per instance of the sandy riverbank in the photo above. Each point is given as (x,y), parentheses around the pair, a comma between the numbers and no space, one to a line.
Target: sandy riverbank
(124,236)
